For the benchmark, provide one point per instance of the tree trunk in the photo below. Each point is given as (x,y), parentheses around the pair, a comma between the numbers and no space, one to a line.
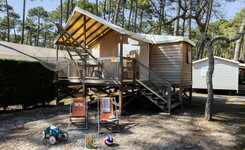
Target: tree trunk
(27,38)
(123,7)
(239,42)
(188,29)
(135,16)
(116,12)
(109,11)
(67,10)
(38,30)
(200,51)
(15,36)
(8,21)
(130,13)
(61,11)
(209,80)
(97,6)
(45,38)
(176,23)
(104,9)
(23,22)
(210,6)
(160,18)
(72,6)
(141,18)
(183,29)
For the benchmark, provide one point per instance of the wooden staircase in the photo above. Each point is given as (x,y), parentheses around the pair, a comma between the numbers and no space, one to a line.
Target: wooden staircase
(159,99)
(157,89)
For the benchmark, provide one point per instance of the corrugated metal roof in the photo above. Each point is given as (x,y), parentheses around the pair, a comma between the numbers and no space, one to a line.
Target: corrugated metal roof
(97,27)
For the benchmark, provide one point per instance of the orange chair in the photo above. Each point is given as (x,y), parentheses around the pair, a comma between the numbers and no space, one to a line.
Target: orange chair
(78,113)
(108,114)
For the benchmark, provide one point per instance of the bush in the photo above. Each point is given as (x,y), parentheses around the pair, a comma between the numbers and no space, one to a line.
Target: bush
(25,82)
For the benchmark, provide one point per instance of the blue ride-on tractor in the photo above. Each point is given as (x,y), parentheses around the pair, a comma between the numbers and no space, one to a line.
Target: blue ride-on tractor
(54,134)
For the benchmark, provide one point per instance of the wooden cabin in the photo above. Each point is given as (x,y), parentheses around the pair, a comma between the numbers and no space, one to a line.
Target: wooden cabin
(157,66)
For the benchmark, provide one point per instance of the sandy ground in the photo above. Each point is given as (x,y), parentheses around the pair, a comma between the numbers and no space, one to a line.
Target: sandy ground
(141,128)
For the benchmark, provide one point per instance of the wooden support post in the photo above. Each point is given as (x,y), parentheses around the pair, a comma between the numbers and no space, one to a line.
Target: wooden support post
(169,98)
(121,75)
(56,77)
(84,61)
(181,96)
(190,96)
(134,74)
(84,77)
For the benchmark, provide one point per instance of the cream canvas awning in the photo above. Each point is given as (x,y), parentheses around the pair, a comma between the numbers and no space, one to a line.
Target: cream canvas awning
(96,27)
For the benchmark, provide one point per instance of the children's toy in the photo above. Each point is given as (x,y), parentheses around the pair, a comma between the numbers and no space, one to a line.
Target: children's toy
(89,142)
(55,134)
(108,140)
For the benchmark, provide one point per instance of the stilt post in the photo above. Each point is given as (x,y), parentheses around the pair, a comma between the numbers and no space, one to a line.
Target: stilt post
(121,75)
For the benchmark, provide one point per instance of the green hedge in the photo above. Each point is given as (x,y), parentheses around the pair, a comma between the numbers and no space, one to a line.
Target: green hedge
(24,82)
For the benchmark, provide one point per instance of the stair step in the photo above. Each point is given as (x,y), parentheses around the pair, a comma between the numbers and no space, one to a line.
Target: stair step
(82,54)
(175,105)
(161,103)
(148,94)
(173,99)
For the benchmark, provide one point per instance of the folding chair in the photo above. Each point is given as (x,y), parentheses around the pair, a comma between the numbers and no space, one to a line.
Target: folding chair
(108,115)
(78,114)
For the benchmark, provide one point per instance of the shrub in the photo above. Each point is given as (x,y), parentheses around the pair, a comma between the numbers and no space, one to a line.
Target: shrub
(25,82)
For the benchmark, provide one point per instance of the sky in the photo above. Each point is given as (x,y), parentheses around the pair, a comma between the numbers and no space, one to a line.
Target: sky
(229,9)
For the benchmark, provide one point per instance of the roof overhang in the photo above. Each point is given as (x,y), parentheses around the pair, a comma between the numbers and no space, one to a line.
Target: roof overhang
(216,57)
(87,28)
(82,22)
(241,65)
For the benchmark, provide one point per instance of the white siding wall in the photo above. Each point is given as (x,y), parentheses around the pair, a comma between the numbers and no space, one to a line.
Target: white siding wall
(144,59)
(225,75)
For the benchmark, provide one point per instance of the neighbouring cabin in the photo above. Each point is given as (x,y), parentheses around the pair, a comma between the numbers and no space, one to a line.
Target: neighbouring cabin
(228,74)
(241,89)
(156,66)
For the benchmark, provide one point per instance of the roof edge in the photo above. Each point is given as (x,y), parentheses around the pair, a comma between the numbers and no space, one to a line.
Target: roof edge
(216,57)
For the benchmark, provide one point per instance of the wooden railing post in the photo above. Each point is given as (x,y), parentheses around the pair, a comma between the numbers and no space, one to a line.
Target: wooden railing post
(134,74)
(134,71)
(84,77)
(121,75)
(169,98)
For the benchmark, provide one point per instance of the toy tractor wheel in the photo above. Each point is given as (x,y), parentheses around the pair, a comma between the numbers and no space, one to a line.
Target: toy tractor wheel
(65,136)
(52,140)
(43,134)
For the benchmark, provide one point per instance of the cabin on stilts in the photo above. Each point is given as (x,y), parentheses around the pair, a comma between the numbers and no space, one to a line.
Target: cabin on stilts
(114,61)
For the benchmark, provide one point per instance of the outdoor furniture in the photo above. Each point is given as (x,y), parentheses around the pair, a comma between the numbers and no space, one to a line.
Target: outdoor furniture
(108,115)
(78,114)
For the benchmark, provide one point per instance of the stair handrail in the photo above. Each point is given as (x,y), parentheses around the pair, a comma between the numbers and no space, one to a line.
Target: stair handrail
(155,74)
(161,79)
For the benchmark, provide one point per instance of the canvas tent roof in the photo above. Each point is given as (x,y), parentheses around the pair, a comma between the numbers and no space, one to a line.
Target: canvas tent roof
(158,39)
(16,51)
(216,57)
(96,27)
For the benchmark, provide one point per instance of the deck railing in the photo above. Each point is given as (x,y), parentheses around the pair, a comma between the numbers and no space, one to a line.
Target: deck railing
(102,68)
